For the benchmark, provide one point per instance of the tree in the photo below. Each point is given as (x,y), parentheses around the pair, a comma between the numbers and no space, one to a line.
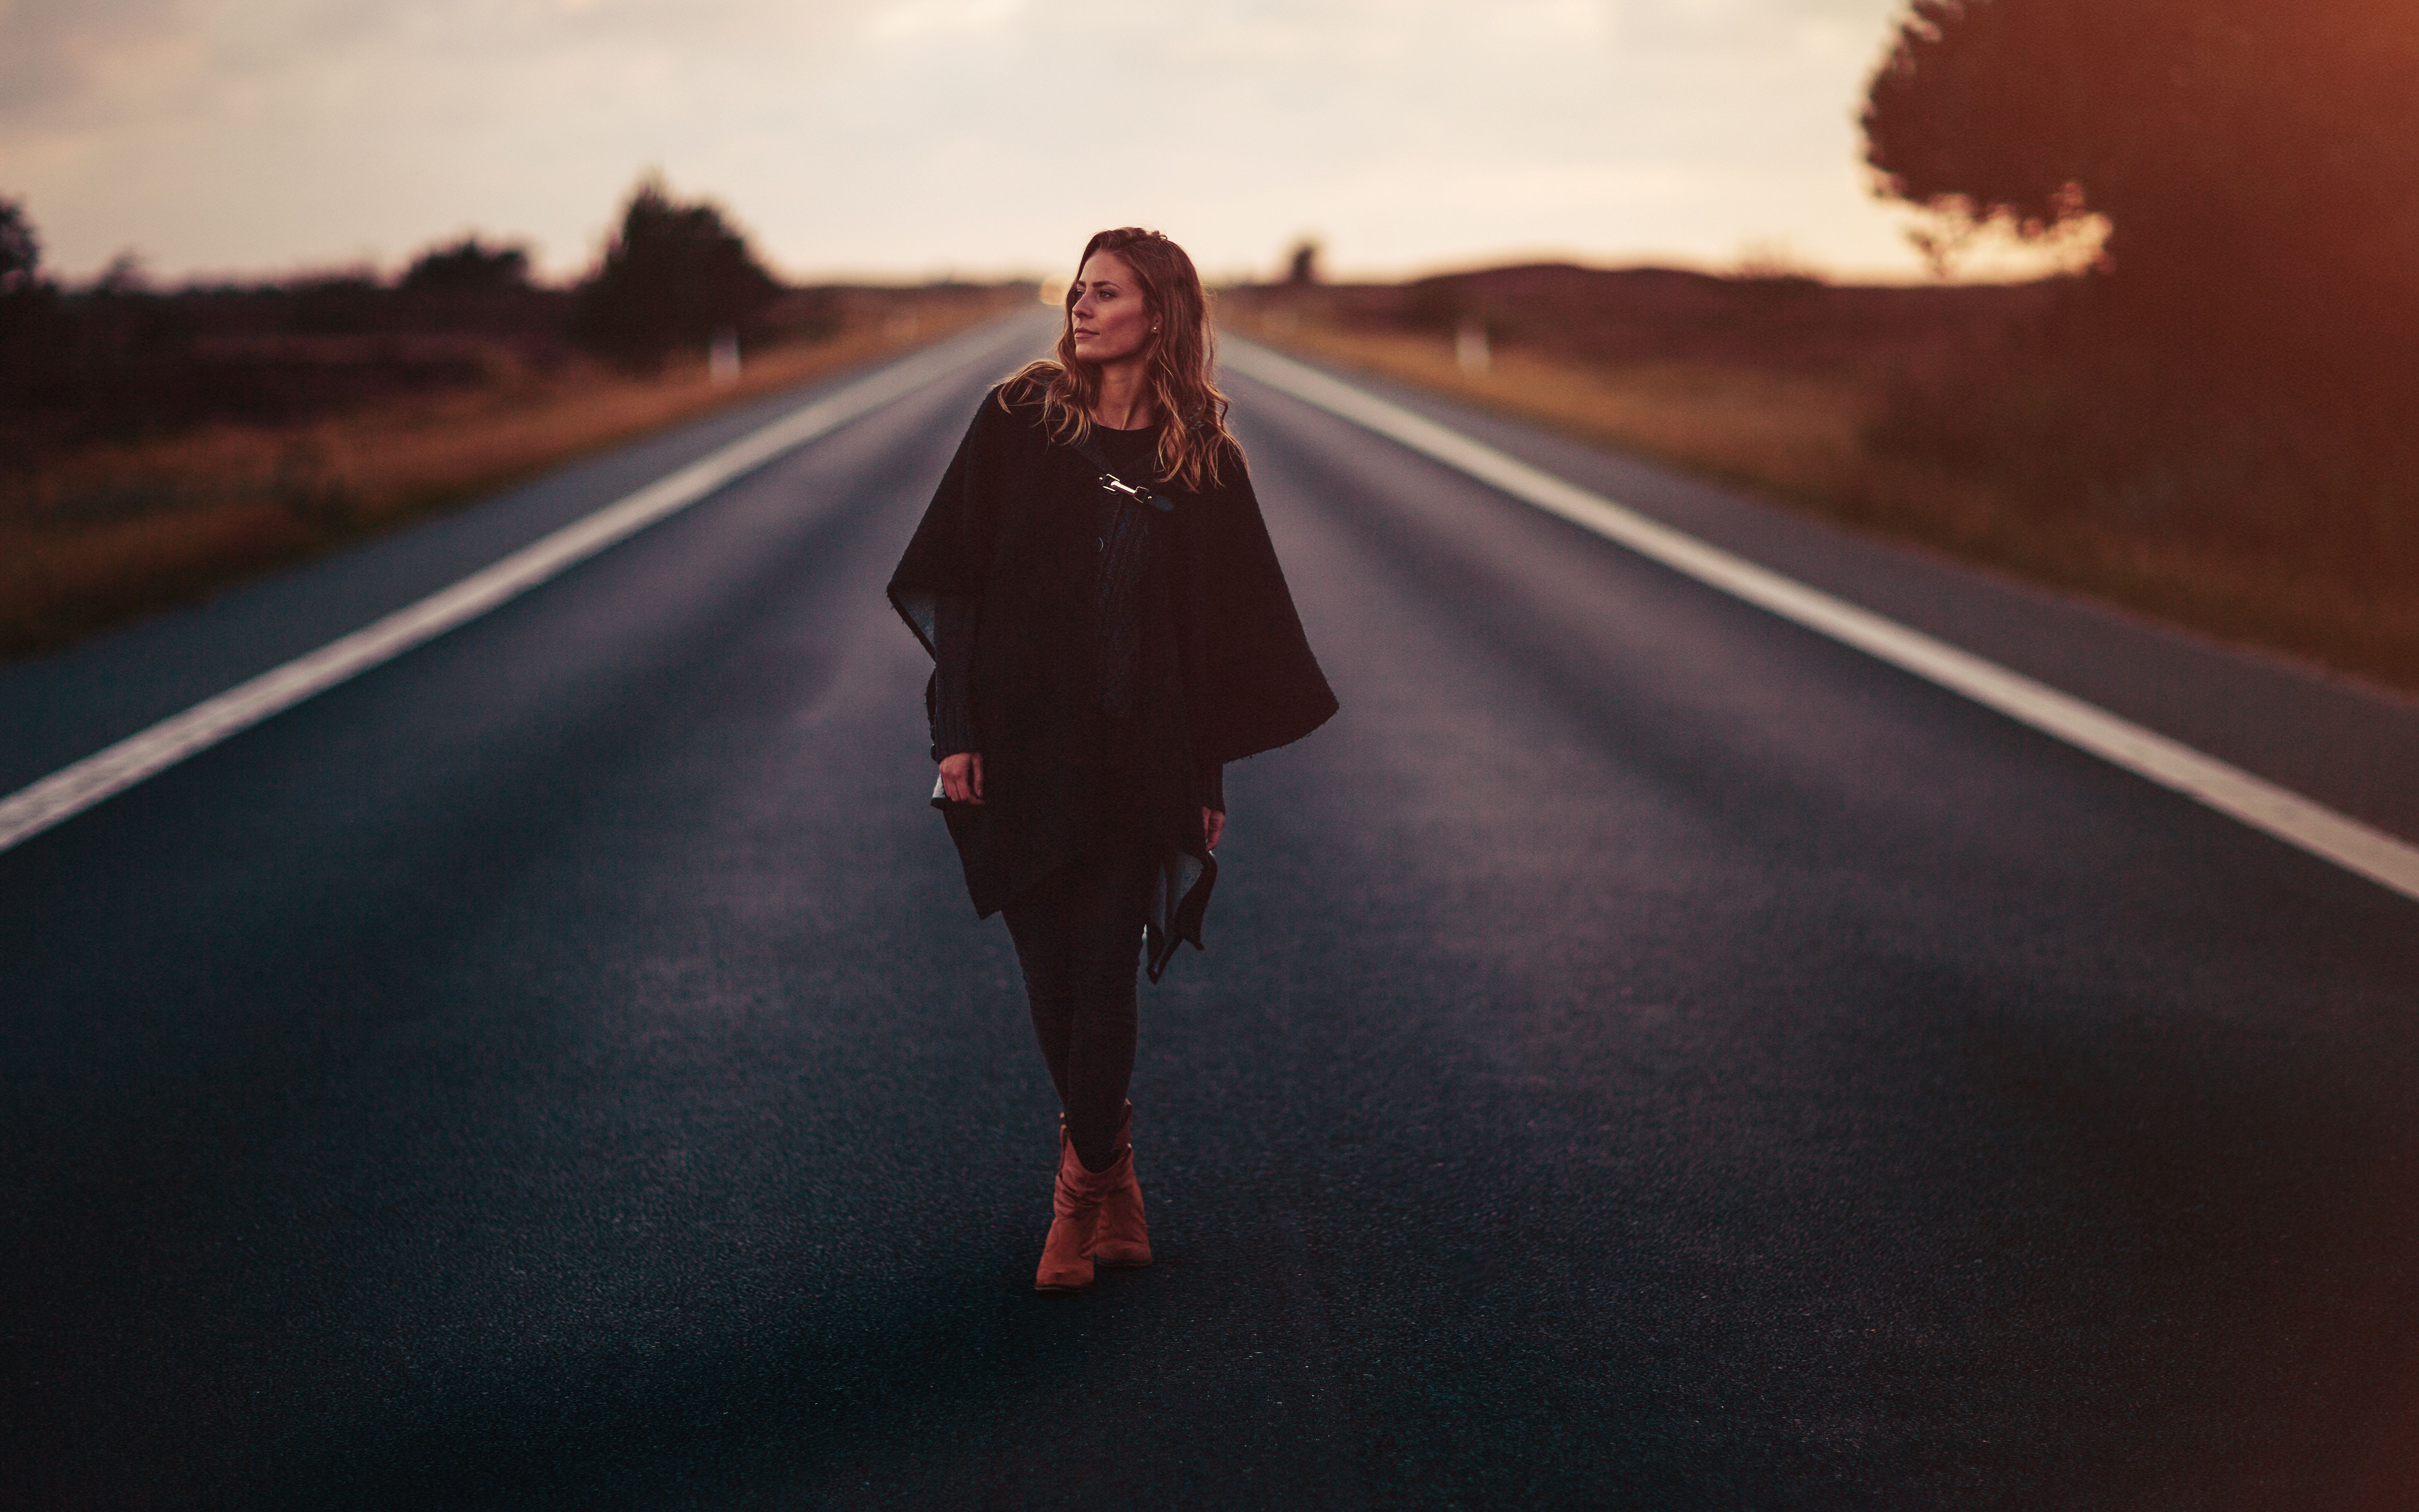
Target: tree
(2259,163)
(33,335)
(1301,266)
(677,275)
(469,266)
(21,249)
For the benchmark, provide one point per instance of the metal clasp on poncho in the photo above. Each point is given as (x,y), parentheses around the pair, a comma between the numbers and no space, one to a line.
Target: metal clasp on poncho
(1111,483)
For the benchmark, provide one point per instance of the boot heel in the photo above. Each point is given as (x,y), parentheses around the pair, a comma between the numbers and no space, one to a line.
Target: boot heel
(1123,1240)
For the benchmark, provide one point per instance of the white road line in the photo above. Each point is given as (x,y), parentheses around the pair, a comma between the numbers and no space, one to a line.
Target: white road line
(69,792)
(2262,804)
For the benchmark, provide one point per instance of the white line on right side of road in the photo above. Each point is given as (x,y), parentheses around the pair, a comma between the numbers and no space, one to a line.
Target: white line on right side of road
(71,790)
(2256,801)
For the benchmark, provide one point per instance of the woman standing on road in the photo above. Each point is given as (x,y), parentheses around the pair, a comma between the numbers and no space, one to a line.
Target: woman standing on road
(1109,627)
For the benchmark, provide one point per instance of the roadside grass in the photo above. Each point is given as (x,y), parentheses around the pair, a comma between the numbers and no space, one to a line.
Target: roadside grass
(100,534)
(1805,435)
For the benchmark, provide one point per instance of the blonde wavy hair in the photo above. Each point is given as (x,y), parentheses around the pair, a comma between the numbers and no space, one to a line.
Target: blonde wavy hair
(1185,406)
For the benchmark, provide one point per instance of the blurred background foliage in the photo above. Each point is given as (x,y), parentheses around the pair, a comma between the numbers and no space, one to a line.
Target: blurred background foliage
(2256,164)
(673,277)
(119,359)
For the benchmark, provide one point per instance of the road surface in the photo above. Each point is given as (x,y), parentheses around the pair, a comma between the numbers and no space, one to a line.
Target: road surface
(1648,1055)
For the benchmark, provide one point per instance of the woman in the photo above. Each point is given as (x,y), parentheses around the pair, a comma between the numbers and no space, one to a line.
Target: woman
(1108,627)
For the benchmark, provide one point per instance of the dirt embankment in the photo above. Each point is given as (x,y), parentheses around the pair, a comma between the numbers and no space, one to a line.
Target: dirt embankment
(2004,424)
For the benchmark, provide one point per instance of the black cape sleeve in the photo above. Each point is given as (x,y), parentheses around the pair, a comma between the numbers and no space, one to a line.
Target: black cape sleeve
(1251,680)
(948,551)
(937,587)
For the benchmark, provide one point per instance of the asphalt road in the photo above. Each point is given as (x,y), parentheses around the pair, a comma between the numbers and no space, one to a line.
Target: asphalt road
(1647,1055)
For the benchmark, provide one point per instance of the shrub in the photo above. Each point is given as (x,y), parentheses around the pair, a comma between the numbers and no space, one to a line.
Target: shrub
(469,266)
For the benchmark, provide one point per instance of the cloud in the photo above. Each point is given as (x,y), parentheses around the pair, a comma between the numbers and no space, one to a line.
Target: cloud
(57,58)
(916,21)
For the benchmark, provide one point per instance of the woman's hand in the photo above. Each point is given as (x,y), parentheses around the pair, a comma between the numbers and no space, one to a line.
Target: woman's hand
(962,777)
(1213,825)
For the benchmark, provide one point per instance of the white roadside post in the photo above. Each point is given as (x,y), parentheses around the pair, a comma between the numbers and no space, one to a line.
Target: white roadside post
(1469,346)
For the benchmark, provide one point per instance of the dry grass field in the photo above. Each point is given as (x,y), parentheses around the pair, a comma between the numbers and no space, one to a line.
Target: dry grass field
(1804,394)
(103,533)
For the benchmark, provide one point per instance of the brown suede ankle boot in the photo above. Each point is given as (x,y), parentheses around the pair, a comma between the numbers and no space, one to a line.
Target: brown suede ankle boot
(1121,1238)
(1075,1212)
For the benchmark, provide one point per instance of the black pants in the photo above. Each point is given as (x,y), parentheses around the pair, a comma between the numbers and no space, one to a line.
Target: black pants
(1078,935)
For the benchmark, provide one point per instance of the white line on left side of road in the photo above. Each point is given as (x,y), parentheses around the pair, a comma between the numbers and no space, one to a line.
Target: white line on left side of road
(69,792)
(2265,805)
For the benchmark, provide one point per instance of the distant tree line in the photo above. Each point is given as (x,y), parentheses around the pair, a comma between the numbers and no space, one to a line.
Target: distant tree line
(118,358)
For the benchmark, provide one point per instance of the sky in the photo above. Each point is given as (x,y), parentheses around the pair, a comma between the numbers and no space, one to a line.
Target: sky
(910,138)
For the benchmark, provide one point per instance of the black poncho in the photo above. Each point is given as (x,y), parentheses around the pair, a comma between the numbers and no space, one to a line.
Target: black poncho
(1014,538)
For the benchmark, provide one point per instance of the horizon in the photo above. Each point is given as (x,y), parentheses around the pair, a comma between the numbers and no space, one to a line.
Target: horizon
(222,145)
(147,281)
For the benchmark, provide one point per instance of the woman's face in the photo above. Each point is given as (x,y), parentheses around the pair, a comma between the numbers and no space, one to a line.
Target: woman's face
(1107,316)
